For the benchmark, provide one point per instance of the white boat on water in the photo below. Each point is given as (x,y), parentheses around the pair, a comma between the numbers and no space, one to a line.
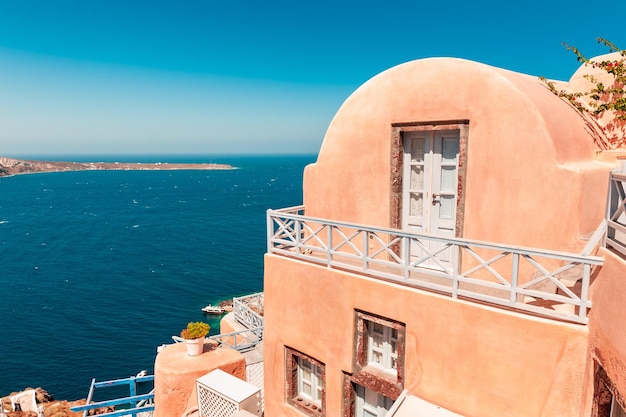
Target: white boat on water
(210,309)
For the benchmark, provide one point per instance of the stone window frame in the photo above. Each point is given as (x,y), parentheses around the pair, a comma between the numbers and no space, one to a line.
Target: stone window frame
(604,394)
(397,154)
(371,376)
(291,386)
(350,383)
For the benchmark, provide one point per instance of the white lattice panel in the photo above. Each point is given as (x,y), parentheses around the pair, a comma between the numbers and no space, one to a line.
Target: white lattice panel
(212,405)
(222,395)
(255,376)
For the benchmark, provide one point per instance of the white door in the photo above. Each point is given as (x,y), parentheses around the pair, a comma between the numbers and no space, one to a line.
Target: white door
(430,178)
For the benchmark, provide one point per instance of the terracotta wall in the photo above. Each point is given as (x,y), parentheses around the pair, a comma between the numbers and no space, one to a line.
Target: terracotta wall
(175,375)
(471,359)
(606,322)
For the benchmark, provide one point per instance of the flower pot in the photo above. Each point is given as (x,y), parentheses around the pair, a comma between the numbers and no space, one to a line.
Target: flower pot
(195,346)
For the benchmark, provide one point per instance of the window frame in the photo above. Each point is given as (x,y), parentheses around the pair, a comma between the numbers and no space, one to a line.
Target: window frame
(606,396)
(294,393)
(363,362)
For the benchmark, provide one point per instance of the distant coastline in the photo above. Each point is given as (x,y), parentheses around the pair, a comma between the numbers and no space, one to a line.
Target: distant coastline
(10,166)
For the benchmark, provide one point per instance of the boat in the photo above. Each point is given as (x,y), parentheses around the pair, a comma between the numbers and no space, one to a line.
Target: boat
(211,309)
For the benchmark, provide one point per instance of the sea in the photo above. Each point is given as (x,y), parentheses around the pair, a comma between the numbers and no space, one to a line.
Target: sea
(100,268)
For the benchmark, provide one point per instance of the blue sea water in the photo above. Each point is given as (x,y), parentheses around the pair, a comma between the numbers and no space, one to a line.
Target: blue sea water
(99,268)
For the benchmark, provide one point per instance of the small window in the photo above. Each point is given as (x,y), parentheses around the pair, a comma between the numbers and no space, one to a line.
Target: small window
(382,347)
(616,409)
(370,403)
(305,383)
(309,381)
(607,399)
(379,346)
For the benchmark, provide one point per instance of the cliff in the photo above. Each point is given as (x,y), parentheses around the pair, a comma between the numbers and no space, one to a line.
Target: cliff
(10,166)
(51,407)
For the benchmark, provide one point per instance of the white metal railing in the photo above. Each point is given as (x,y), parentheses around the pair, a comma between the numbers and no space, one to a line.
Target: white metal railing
(616,213)
(242,340)
(248,310)
(548,283)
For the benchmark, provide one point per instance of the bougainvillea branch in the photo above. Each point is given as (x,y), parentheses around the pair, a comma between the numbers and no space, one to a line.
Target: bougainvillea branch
(602,99)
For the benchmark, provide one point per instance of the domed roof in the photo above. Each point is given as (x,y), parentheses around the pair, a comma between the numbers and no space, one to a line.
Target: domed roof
(500,105)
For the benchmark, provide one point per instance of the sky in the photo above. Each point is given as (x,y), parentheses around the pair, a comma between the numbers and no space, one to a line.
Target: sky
(248,77)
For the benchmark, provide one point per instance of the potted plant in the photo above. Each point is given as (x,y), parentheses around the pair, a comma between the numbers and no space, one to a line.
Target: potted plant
(194,335)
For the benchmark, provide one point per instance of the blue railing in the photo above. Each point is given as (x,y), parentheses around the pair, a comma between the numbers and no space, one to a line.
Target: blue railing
(135,405)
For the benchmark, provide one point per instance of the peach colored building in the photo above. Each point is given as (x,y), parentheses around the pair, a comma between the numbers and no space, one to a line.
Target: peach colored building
(452,255)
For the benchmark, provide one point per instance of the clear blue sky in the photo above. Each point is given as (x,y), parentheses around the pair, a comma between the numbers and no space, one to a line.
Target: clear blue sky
(207,77)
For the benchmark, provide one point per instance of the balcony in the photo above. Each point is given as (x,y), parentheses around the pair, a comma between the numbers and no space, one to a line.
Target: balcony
(249,310)
(248,313)
(616,212)
(534,281)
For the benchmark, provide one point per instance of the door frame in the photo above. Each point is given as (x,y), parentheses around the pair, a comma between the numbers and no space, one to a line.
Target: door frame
(397,157)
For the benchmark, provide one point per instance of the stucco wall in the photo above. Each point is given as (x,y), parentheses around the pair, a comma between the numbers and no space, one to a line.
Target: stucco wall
(606,321)
(175,375)
(524,153)
(471,359)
